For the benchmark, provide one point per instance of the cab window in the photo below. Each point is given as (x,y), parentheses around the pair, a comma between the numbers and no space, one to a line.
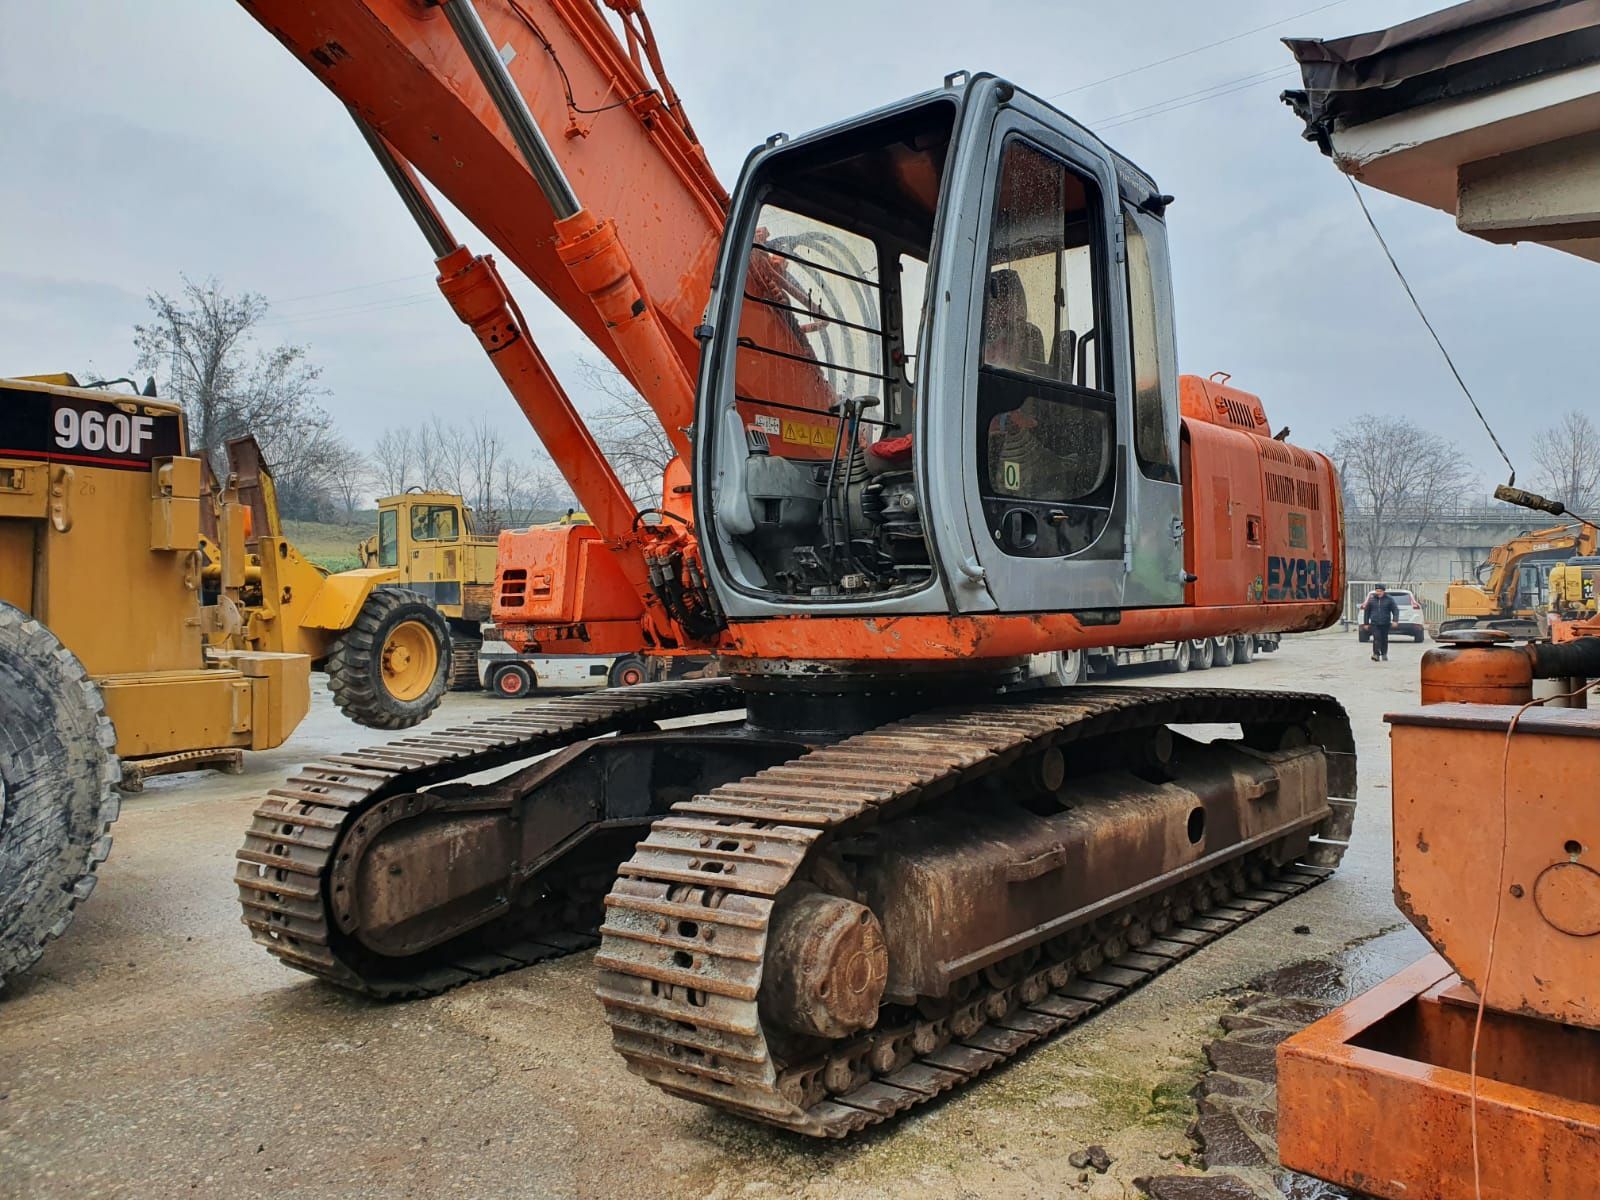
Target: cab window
(1046,438)
(435,523)
(1151,444)
(388,539)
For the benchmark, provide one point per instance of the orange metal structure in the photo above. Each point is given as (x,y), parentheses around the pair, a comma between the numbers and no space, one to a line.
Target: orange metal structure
(558,591)
(1378,1097)
(1496,850)
(871,549)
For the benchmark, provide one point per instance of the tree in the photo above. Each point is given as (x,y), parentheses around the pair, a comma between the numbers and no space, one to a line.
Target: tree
(528,490)
(1568,457)
(202,345)
(352,476)
(483,450)
(473,461)
(307,461)
(1398,479)
(394,461)
(629,433)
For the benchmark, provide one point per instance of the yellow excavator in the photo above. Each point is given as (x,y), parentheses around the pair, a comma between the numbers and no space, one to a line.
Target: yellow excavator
(1505,593)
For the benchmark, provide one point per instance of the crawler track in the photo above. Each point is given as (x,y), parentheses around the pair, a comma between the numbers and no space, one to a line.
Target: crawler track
(685,935)
(286,865)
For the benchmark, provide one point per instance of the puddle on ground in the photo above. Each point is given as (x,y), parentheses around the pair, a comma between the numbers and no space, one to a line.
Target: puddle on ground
(1236,1121)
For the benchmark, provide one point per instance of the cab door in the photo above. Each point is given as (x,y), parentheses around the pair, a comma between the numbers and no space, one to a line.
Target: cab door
(1062,515)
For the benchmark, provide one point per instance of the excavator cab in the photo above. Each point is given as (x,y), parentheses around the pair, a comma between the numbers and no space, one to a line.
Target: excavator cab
(939,370)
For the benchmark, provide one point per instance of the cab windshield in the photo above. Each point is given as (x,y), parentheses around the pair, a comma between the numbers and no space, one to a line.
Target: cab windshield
(435,523)
(820,498)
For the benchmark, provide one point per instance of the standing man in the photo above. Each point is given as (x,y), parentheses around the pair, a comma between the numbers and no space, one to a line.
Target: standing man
(1377,614)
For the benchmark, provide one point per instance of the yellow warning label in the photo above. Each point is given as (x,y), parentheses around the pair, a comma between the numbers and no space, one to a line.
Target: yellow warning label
(803,433)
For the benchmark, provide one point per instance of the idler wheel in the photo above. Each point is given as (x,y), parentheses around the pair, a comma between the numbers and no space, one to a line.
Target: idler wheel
(826,967)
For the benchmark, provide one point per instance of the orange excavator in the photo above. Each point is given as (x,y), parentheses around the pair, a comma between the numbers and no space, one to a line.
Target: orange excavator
(919,372)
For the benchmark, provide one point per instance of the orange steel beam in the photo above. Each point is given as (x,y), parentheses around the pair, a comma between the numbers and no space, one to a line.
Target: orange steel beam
(478,295)
(618,135)
(473,286)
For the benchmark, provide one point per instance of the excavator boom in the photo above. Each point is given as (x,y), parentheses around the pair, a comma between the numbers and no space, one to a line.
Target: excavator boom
(613,124)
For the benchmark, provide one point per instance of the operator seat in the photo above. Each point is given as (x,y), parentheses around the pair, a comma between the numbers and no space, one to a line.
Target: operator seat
(1010,340)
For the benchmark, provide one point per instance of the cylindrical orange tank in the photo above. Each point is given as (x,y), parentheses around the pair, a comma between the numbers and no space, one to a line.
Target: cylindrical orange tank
(1477,674)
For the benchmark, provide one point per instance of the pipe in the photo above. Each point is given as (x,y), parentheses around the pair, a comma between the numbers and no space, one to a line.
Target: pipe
(525,132)
(1579,658)
(440,240)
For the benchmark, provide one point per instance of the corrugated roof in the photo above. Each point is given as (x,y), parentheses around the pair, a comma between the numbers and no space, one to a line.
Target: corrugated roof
(1456,52)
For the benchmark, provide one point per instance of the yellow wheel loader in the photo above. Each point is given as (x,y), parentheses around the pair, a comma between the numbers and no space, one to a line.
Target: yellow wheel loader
(429,539)
(126,648)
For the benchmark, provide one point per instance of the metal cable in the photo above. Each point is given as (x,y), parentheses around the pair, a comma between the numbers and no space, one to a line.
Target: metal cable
(1416,304)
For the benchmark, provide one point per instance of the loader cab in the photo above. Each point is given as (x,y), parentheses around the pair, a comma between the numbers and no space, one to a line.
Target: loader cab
(429,537)
(939,371)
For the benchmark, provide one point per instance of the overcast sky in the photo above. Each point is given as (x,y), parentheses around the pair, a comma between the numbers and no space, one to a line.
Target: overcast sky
(138,141)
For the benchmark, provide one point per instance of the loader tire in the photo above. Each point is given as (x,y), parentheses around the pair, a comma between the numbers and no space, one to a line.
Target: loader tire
(389,670)
(58,780)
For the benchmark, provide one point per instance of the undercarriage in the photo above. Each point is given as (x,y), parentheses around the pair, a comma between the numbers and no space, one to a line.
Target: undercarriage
(813,927)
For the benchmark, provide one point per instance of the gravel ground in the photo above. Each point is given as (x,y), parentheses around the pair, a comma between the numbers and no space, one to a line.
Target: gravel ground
(155,1051)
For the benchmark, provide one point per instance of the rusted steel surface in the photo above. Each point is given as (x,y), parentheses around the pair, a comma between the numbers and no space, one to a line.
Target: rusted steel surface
(826,966)
(1476,674)
(1377,1097)
(298,901)
(1449,827)
(703,909)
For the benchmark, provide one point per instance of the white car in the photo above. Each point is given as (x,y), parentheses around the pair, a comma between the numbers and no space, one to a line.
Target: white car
(1409,619)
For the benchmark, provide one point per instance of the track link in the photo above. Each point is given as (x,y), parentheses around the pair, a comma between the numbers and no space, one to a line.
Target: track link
(685,935)
(286,864)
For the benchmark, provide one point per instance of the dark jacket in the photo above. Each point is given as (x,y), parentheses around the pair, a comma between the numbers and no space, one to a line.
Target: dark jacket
(1380,610)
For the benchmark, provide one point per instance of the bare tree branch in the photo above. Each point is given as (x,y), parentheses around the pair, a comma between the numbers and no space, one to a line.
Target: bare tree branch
(201,343)
(352,478)
(1568,458)
(1398,480)
(394,461)
(629,434)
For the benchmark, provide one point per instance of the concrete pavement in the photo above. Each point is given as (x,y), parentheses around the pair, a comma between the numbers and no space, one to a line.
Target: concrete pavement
(156,1051)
